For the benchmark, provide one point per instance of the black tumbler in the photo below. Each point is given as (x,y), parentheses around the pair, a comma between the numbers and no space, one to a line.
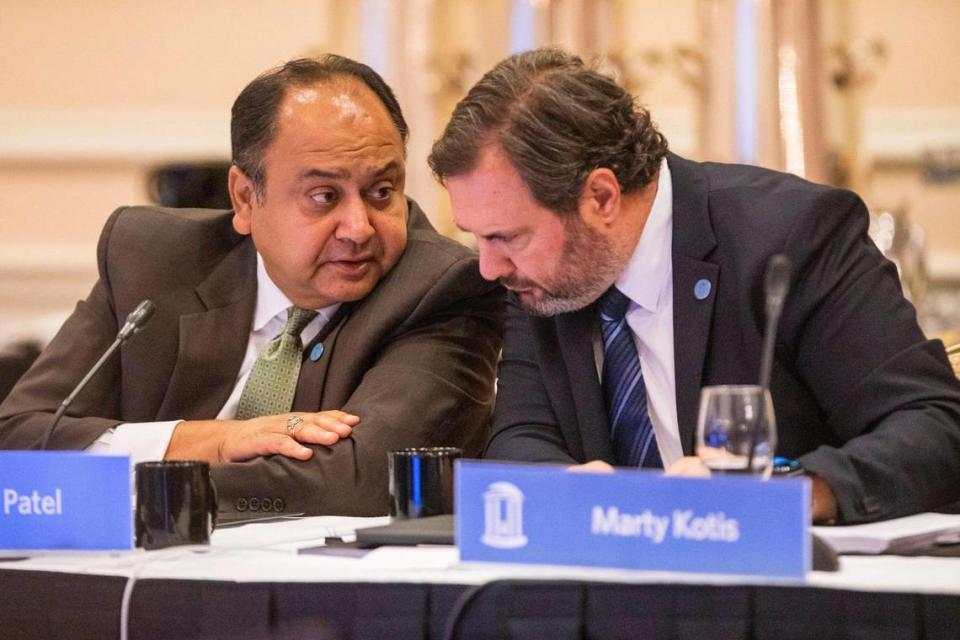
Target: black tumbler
(176,503)
(421,481)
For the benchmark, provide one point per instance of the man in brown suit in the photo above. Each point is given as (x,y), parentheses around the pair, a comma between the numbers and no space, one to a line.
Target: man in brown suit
(401,351)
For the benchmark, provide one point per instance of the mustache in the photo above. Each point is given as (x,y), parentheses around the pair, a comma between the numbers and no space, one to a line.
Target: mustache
(350,257)
(517,283)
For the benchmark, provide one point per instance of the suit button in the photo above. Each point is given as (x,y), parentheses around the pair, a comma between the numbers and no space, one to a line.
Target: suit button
(869,505)
(241,504)
(266,504)
(254,504)
(279,505)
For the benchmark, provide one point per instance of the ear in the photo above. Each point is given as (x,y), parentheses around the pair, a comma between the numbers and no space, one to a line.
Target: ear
(243,197)
(600,199)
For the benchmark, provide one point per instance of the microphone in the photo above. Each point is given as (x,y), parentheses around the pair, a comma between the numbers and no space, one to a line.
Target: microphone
(137,318)
(135,321)
(776,284)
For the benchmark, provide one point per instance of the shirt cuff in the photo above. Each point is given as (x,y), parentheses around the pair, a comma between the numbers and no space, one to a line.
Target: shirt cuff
(142,441)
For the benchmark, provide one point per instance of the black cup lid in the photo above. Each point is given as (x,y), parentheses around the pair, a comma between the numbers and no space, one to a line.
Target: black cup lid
(171,464)
(428,452)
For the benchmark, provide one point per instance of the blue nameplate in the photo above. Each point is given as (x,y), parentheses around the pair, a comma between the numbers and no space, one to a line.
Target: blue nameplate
(632,520)
(64,500)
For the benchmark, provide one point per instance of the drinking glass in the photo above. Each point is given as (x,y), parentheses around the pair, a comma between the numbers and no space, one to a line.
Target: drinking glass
(733,420)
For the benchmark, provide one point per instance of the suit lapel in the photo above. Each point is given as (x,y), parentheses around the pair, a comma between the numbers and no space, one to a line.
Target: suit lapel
(693,240)
(575,334)
(313,373)
(353,329)
(213,338)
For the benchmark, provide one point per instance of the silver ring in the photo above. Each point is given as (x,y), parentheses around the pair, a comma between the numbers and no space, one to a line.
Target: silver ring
(293,423)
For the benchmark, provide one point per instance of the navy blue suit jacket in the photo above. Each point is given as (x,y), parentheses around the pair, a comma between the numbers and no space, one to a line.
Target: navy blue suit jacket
(860,396)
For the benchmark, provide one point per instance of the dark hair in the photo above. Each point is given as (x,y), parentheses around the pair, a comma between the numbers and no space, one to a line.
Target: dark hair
(253,122)
(556,120)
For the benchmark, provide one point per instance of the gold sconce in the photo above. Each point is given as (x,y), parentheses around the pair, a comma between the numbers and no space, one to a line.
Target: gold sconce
(449,76)
(857,63)
(855,66)
(637,69)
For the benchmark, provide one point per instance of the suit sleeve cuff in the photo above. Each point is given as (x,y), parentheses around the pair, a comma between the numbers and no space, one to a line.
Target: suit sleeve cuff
(854,504)
(142,441)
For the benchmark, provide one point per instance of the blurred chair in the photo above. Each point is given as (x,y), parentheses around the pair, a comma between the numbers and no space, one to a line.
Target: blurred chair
(953,353)
(15,359)
(202,185)
(904,243)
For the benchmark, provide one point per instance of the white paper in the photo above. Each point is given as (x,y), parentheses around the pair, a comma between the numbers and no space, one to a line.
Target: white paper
(890,536)
(290,533)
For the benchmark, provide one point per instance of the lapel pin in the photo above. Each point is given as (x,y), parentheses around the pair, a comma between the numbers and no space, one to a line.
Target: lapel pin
(316,352)
(702,289)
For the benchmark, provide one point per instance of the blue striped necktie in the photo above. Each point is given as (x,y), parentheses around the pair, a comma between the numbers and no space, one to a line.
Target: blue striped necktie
(631,432)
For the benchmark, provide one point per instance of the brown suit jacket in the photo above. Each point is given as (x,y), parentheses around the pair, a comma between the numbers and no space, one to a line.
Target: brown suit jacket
(415,359)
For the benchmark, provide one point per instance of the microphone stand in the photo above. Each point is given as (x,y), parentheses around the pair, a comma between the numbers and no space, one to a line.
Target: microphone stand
(135,321)
(776,286)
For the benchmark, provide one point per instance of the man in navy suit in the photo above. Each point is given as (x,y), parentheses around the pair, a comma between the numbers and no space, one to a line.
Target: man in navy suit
(578,208)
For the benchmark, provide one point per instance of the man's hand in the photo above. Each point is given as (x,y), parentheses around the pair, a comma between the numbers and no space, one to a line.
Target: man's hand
(594,466)
(824,509)
(824,503)
(688,467)
(219,441)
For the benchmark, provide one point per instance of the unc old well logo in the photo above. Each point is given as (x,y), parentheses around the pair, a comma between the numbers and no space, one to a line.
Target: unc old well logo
(503,516)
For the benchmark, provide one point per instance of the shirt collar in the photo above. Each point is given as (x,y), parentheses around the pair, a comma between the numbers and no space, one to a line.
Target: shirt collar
(271,301)
(651,266)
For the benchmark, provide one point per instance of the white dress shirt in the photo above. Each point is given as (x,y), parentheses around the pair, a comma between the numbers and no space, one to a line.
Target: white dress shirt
(144,441)
(648,282)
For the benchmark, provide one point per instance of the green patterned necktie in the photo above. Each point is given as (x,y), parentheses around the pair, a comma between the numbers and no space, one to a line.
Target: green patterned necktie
(273,379)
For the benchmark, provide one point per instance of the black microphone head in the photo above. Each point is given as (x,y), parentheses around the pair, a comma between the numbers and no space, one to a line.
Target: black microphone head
(139,316)
(776,281)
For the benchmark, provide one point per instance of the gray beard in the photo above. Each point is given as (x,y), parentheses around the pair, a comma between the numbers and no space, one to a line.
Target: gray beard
(589,266)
